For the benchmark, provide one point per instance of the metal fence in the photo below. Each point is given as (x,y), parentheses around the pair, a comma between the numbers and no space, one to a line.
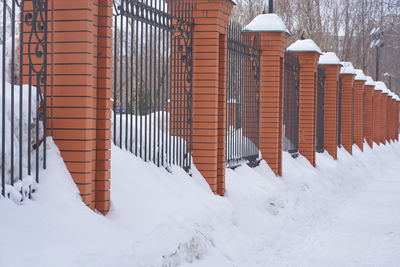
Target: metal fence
(340,112)
(291,105)
(153,80)
(243,97)
(23,108)
(320,109)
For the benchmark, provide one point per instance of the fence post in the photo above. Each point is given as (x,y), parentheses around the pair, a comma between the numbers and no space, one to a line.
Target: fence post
(331,64)
(209,89)
(383,110)
(348,74)
(273,41)
(308,53)
(369,92)
(81,95)
(376,117)
(397,117)
(359,85)
(389,117)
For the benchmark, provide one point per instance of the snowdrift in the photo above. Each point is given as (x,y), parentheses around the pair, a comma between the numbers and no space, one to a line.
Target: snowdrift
(159,218)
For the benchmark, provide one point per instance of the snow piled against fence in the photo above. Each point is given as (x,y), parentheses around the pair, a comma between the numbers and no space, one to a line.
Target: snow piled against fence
(159,218)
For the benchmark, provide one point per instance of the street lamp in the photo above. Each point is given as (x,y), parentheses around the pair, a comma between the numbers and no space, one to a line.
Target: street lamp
(377,34)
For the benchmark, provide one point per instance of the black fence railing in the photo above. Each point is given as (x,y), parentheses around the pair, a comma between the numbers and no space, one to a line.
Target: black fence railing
(23,108)
(291,105)
(243,97)
(340,112)
(153,80)
(320,109)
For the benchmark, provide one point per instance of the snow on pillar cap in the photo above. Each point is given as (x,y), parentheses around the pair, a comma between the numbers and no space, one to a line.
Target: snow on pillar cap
(380,86)
(370,81)
(360,76)
(306,45)
(266,23)
(347,68)
(329,58)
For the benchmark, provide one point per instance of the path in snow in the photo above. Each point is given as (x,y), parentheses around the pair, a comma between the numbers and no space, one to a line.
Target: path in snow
(363,232)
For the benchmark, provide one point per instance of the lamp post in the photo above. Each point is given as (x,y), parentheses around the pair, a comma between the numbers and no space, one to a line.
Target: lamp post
(271,6)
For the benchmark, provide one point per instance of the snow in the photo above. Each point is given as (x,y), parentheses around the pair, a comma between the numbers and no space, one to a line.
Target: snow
(360,76)
(347,68)
(329,58)
(380,86)
(306,45)
(370,81)
(266,23)
(342,213)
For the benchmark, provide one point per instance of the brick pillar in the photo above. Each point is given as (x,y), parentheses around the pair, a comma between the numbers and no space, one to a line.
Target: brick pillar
(383,118)
(308,53)
(331,102)
(81,94)
(388,117)
(376,117)
(368,114)
(359,84)
(397,118)
(348,75)
(273,44)
(209,90)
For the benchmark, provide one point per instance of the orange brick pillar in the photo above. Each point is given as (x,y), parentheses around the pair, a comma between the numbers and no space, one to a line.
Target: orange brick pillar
(397,118)
(331,64)
(308,53)
(383,117)
(81,94)
(368,112)
(273,44)
(359,84)
(388,117)
(348,75)
(209,90)
(376,116)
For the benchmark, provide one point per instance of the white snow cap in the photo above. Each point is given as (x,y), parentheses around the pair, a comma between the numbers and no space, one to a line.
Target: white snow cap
(307,45)
(360,76)
(347,68)
(329,58)
(266,23)
(370,81)
(380,86)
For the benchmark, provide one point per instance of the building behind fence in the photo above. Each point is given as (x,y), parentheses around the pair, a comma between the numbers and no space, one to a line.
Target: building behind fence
(174,83)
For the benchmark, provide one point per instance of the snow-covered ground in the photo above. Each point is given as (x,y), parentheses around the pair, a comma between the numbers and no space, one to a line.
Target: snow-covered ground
(342,213)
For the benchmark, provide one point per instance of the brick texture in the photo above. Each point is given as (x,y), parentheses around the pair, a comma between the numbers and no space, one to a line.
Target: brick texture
(359,113)
(209,93)
(376,120)
(383,112)
(80,100)
(308,104)
(368,114)
(331,108)
(347,111)
(273,46)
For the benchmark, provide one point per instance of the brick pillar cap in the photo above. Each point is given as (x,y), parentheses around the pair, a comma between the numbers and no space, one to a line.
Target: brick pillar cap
(266,23)
(306,45)
(360,76)
(380,86)
(329,58)
(370,81)
(347,68)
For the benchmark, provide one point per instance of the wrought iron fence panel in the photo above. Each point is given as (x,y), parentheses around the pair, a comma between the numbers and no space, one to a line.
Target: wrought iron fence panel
(320,109)
(340,112)
(291,104)
(23,95)
(243,97)
(152,84)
